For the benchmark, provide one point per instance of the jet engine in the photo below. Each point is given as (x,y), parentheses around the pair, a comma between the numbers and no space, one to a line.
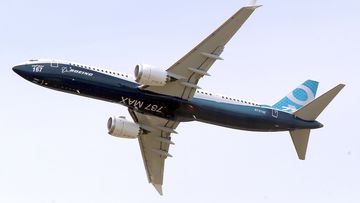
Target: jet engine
(120,127)
(148,75)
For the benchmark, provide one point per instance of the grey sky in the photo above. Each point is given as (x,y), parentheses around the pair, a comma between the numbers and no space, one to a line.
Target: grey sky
(54,147)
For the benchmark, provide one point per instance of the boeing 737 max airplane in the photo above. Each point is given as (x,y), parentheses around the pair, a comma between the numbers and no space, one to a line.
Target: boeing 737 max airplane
(158,100)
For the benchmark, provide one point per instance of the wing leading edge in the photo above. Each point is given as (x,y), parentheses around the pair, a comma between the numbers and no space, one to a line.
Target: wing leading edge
(195,64)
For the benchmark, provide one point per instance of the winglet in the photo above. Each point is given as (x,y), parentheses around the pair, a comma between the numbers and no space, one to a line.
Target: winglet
(252,4)
(158,188)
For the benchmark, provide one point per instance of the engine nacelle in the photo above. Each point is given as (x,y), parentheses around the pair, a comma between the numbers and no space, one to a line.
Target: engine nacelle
(148,75)
(120,127)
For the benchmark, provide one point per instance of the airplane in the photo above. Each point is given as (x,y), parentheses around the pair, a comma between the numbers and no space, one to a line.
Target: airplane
(158,100)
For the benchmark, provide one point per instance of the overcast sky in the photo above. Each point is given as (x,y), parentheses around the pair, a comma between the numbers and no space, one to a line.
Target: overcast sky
(54,147)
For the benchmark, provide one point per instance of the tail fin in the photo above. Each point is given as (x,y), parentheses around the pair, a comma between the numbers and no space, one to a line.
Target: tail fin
(299,97)
(310,112)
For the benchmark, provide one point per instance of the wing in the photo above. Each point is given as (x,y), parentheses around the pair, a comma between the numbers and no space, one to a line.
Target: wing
(195,64)
(154,145)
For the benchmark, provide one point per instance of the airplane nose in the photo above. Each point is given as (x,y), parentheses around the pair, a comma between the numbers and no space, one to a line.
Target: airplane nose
(16,69)
(20,70)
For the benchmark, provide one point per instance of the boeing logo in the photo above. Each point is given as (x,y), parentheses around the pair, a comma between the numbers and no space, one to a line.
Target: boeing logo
(65,69)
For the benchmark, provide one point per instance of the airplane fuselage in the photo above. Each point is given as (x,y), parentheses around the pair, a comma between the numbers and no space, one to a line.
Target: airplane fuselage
(158,100)
(119,88)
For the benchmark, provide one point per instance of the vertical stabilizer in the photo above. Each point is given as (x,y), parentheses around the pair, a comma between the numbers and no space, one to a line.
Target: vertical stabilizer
(299,97)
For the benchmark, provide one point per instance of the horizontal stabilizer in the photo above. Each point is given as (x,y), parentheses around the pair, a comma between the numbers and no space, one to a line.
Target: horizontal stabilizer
(312,110)
(300,139)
